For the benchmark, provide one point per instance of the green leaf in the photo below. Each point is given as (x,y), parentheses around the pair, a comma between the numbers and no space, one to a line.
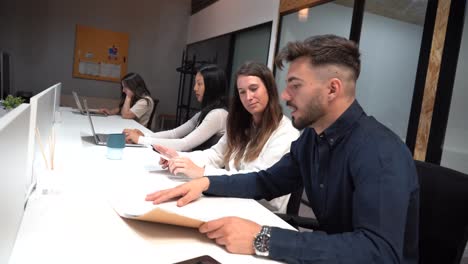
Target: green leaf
(11,101)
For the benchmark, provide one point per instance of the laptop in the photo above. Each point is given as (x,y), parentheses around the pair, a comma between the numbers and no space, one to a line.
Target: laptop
(101,139)
(94,112)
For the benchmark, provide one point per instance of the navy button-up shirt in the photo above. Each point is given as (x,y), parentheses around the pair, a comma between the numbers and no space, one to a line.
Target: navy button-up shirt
(361,182)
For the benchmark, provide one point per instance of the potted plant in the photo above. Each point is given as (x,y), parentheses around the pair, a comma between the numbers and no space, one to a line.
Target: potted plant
(11,102)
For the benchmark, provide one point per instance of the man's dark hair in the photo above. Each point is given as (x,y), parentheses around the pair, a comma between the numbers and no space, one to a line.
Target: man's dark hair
(323,50)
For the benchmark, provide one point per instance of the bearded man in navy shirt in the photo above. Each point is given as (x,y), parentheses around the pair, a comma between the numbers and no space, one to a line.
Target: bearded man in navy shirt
(358,175)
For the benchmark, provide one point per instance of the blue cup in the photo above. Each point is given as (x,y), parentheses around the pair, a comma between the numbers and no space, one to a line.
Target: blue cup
(115,146)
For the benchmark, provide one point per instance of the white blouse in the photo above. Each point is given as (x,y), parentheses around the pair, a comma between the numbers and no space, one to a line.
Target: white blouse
(277,145)
(142,109)
(188,135)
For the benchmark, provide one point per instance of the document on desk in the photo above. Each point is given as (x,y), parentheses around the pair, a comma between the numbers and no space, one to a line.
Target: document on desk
(158,214)
(129,202)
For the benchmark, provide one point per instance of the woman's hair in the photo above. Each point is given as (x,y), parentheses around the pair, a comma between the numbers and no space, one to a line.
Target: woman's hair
(214,96)
(243,136)
(137,85)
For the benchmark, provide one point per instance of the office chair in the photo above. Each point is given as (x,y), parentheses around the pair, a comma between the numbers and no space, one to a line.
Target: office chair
(443,214)
(292,212)
(150,121)
(209,143)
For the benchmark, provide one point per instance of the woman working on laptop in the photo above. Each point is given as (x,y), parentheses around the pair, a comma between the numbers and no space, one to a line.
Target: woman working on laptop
(258,134)
(135,101)
(204,128)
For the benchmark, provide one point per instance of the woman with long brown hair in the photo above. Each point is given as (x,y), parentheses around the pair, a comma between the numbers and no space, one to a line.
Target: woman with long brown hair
(257,135)
(135,100)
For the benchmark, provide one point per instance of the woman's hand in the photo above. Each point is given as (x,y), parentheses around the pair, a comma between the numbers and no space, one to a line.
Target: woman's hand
(105,111)
(185,166)
(128,92)
(132,135)
(166,155)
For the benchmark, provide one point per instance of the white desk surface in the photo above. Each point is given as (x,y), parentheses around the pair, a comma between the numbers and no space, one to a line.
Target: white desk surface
(77,224)
(2,111)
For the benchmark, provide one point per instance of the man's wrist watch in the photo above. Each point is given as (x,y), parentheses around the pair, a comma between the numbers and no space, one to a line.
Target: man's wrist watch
(262,242)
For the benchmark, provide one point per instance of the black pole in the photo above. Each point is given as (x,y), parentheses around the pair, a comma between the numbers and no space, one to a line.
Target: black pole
(179,99)
(356,23)
(192,70)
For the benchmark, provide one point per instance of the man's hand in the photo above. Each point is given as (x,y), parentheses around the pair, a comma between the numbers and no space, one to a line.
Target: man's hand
(188,192)
(132,135)
(236,234)
(185,166)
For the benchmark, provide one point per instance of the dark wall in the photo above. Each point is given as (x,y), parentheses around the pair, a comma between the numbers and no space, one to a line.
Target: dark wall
(216,50)
(40,37)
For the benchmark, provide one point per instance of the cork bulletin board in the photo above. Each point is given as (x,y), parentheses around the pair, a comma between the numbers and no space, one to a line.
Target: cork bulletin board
(100,54)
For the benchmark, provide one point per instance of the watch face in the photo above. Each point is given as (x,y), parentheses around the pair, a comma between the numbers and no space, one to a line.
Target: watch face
(262,242)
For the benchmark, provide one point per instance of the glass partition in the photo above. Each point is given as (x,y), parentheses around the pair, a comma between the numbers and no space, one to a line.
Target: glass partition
(390,42)
(329,18)
(250,45)
(455,147)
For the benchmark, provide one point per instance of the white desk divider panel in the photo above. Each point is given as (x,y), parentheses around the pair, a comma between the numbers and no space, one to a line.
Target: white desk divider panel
(14,137)
(42,119)
(58,92)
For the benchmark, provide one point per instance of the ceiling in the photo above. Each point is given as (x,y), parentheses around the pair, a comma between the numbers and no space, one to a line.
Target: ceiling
(410,11)
(198,5)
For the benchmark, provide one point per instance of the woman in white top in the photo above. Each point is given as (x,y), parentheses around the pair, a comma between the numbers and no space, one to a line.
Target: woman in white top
(135,102)
(258,134)
(203,128)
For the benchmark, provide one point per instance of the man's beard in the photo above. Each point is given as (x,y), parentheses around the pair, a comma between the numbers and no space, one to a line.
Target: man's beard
(313,112)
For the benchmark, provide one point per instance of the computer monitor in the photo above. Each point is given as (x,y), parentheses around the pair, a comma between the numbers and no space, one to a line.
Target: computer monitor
(14,178)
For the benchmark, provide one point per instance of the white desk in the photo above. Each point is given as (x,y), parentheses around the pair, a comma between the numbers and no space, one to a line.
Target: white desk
(78,225)
(2,111)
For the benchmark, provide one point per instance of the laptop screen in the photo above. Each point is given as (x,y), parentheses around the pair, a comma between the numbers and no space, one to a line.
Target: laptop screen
(90,121)
(77,101)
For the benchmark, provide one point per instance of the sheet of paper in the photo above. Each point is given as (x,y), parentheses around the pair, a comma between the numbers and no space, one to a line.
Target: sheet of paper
(88,68)
(115,71)
(93,68)
(105,70)
(82,67)
(128,199)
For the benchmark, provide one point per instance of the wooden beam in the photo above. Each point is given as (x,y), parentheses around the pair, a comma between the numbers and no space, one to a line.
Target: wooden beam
(430,88)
